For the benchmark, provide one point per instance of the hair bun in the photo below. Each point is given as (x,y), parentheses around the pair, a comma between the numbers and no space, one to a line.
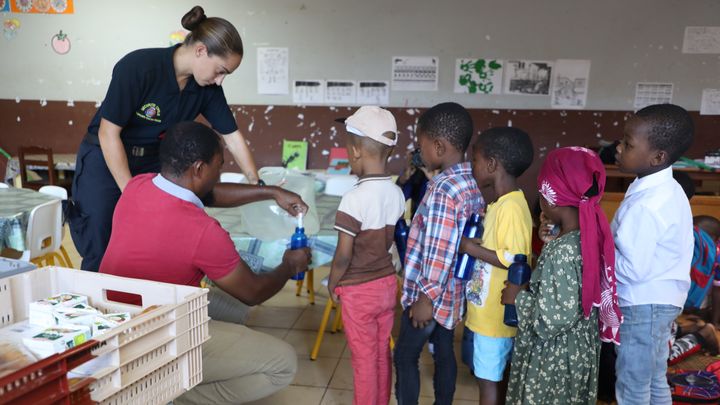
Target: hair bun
(193,18)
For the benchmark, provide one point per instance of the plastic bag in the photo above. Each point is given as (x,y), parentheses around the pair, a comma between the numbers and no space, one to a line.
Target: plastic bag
(266,221)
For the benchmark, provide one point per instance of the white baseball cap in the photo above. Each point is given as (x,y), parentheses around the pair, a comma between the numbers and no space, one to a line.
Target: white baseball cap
(372,122)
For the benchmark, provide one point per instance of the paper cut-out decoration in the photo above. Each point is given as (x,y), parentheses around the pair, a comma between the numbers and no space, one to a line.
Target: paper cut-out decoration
(42,6)
(10,28)
(60,43)
(37,6)
(177,37)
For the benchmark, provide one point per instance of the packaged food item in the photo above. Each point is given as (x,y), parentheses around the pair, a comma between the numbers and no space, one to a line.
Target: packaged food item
(14,357)
(56,339)
(42,312)
(103,323)
(80,314)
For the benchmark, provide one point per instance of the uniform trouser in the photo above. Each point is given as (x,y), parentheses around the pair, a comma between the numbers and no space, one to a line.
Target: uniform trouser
(95,194)
(239,364)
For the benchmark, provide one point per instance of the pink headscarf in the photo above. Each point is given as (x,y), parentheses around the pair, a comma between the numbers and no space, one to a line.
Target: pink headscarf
(565,177)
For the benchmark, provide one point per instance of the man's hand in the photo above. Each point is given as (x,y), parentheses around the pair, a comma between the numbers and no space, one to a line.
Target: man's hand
(297,260)
(510,292)
(421,311)
(290,202)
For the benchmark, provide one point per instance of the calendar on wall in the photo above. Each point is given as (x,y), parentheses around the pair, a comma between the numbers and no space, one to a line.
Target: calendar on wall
(415,73)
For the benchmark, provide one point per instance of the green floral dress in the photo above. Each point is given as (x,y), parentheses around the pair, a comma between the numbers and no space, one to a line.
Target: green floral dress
(557,350)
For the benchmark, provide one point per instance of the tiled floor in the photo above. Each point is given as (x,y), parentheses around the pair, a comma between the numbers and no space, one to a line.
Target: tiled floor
(327,380)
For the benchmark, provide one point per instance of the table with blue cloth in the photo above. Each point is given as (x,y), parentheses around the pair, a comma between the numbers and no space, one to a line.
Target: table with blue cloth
(266,255)
(15,207)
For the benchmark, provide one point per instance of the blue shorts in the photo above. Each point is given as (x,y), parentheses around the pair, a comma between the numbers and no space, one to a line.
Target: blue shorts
(490,356)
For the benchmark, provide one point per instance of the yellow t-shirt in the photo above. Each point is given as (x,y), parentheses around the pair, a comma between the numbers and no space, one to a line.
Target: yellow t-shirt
(508,231)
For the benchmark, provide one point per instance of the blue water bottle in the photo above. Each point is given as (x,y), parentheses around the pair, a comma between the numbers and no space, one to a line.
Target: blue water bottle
(401,238)
(465,263)
(518,274)
(299,241)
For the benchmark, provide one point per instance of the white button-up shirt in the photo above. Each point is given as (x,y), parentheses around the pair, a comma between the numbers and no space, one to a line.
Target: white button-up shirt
(653,232)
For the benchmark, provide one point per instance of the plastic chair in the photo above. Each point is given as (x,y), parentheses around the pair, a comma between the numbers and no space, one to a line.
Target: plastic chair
(62,194)
(44,234)
(232,177)
(4,185)
(309,285)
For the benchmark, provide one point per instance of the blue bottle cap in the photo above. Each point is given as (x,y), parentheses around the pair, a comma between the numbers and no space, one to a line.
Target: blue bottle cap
(520,258)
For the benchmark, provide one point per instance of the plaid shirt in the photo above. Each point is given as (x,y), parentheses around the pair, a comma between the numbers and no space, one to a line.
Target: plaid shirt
(452,196)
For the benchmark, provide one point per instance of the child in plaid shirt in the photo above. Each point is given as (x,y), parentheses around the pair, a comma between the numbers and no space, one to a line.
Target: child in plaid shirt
(432,298)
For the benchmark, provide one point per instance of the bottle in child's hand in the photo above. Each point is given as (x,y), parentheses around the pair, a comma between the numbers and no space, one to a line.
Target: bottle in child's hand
(518,274)
(299,241)
(465,262)
(401,237)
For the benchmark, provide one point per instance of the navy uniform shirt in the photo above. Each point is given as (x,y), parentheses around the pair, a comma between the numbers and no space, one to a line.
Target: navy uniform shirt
(144,99)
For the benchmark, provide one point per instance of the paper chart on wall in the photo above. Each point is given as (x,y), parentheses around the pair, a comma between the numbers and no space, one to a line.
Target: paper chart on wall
(710,104)
(341,92)
(701,40)
(478,76)
(272,70)
(570,84)
(414,73)
(652,93)
(373,93)
(527,77)
(308,91)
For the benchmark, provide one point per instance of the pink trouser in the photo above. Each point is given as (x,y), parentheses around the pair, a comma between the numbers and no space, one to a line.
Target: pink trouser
(368,310)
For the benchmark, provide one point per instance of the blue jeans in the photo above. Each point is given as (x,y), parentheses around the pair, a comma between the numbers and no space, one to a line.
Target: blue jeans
(407,353)
(642,356)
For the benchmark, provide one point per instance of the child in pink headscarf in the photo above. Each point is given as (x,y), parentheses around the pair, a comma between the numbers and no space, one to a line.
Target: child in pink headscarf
(570,304)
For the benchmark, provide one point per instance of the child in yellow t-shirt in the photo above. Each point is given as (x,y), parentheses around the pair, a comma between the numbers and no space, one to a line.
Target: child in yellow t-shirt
(500,156)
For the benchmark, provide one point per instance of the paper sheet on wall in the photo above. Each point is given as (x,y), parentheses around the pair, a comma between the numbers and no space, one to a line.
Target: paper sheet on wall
(570,84)
(373,93)
(652,93)
(308,91)
(527,77)
(710,104)
(272,70)
(478,76)
(414,73)
(340,92)
(701,40)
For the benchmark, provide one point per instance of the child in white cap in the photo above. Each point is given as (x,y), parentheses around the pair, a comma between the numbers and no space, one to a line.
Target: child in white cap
(363,277)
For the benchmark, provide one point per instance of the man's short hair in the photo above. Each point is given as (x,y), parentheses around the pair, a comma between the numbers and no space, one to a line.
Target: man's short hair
(184,144)
(449,121)
(671,129)
(511,147)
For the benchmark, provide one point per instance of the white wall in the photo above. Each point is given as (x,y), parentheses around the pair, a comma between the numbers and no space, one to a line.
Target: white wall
(627,41)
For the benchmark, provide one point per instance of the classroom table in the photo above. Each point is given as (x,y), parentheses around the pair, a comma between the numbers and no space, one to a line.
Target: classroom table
(63,162)
(15,207)
(266,255)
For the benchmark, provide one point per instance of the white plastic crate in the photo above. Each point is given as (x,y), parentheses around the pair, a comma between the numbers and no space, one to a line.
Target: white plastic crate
(152,358)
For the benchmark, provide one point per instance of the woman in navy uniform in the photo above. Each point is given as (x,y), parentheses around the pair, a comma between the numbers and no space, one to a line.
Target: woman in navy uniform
(150,90)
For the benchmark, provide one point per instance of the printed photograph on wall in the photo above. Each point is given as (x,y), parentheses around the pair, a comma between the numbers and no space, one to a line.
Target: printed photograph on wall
(478,76)
(570,83)
(527,77)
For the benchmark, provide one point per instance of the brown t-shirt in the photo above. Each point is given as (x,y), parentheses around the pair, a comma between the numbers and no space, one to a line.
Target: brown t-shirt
(368,213)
